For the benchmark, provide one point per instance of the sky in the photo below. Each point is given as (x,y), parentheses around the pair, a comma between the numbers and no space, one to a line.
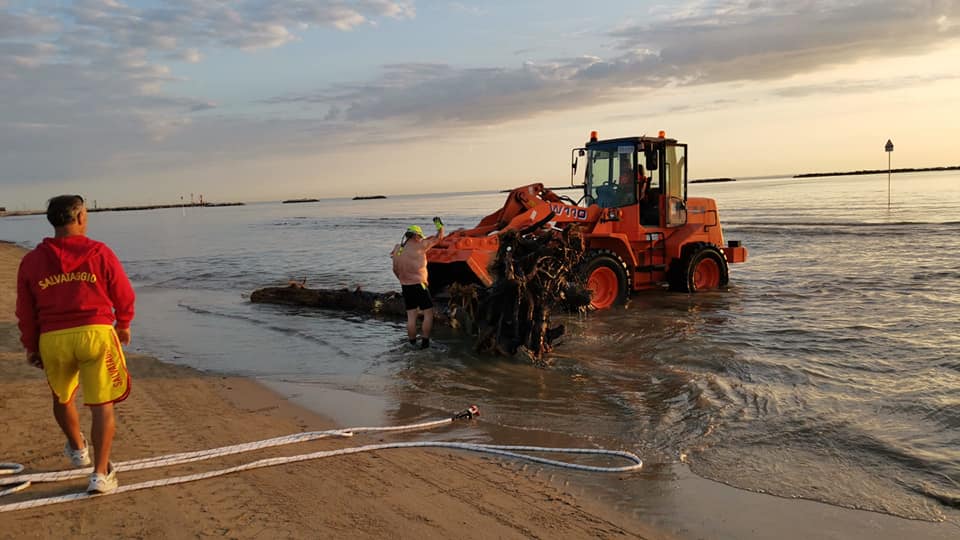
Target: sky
(145,102)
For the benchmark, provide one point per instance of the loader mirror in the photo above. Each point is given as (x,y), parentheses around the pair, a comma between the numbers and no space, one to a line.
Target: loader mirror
(650,157)
(575,156)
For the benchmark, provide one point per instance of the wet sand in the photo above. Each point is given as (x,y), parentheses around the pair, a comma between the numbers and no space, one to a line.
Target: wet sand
(406,493)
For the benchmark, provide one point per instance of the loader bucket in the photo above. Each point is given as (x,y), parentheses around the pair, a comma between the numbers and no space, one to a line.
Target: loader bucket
(442,275)
(461,259)
(465,256)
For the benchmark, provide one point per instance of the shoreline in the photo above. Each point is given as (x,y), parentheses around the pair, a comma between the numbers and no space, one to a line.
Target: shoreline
(425,493)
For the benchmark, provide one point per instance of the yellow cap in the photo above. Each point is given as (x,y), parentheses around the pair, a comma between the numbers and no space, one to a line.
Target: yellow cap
(415,229)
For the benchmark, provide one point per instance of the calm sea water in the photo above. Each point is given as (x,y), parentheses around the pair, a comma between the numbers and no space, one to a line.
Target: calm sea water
(830,370)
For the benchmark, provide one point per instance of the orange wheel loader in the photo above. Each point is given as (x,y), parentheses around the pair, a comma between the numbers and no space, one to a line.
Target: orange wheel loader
(640,229)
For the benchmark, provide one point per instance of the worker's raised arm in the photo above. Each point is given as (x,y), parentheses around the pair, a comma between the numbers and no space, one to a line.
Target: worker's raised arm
(435,239)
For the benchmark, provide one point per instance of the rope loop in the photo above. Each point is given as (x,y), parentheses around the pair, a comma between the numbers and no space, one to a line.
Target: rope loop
(16,487)
(10,468)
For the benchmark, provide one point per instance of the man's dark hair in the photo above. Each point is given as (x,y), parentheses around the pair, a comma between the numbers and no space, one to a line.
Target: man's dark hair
(63,209)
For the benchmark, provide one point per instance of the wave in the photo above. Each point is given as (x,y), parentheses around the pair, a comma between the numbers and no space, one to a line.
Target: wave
(261,323)
(341,222)
(937,275)
(831,446)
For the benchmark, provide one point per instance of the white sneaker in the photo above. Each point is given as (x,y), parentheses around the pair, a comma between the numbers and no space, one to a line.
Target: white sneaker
(79,458)
(103,483)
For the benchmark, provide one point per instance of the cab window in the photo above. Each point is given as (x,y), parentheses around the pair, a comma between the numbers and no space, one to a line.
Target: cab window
(612,174)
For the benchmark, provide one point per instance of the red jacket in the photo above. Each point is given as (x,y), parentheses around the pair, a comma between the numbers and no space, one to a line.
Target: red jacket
(67,282)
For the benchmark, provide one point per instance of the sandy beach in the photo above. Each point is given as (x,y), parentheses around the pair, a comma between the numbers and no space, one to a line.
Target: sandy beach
(404,493)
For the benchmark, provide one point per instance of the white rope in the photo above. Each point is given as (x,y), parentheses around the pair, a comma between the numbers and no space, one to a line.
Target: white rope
(12,468)
(200,455)
(23,481)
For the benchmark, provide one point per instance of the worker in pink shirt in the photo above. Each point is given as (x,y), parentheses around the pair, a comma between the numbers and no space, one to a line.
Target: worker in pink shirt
(74,308)
(410,267)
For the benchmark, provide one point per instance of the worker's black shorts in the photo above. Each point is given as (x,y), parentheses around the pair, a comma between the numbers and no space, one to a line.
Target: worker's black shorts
(416,296)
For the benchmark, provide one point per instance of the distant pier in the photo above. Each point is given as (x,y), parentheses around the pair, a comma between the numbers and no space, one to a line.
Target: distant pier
(878,171)
(127,208)
(155,206)
(712,180)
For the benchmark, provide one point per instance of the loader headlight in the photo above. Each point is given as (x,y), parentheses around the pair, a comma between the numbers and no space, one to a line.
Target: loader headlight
(612,214)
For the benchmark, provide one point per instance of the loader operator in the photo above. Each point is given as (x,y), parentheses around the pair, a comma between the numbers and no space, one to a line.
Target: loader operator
(410,267)
(628,186)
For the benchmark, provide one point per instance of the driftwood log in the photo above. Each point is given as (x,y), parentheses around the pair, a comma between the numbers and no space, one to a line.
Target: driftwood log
(534,275)
(388,305)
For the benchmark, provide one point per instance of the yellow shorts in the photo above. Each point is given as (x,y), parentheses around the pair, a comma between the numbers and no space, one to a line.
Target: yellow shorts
(89,357)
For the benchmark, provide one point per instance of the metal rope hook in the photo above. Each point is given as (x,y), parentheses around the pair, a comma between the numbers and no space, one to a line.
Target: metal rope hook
(467,414)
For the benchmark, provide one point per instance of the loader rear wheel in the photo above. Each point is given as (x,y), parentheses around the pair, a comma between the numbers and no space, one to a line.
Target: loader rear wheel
(606,277)
(701,267)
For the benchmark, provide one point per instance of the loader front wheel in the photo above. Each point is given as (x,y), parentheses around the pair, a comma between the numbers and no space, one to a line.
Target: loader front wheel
(606,277)
(702,267)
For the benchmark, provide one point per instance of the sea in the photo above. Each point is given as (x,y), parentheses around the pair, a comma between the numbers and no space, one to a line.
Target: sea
(828,371)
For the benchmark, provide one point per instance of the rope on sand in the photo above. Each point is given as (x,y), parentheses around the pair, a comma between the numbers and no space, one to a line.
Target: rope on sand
(12,468)
(23,481)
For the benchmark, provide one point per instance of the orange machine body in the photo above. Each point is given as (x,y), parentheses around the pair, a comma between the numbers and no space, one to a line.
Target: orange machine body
(641,230)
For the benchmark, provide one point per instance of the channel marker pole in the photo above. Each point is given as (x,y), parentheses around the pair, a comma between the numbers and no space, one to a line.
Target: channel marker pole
(889,149)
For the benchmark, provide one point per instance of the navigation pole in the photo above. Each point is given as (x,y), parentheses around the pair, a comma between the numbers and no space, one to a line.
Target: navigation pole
(889,149)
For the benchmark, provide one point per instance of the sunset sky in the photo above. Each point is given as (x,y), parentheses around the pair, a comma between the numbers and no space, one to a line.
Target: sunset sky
(144,102)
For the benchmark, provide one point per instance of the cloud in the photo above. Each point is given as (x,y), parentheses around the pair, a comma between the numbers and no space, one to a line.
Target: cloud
(190,56)
(443,95)
(694,44)
(25,25)
(246,24)
(754,40)
(16,56)
(86,81)
(862,86)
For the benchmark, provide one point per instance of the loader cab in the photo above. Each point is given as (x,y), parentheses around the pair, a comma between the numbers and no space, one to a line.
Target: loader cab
(649,172)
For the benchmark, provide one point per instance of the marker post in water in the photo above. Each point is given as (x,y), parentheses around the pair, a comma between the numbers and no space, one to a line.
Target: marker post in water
(889,149)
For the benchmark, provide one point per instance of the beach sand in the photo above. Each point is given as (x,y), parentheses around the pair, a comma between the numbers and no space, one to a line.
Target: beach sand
(406,493)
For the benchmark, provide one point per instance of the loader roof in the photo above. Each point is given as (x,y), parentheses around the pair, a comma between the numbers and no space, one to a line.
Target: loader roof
(643,138)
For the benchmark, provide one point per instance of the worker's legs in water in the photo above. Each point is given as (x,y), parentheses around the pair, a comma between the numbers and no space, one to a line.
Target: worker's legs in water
(412,325)
(426,306)
(417,300)
(427,326)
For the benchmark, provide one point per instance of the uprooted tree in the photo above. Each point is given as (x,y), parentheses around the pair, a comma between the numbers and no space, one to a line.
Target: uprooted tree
(535,274)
